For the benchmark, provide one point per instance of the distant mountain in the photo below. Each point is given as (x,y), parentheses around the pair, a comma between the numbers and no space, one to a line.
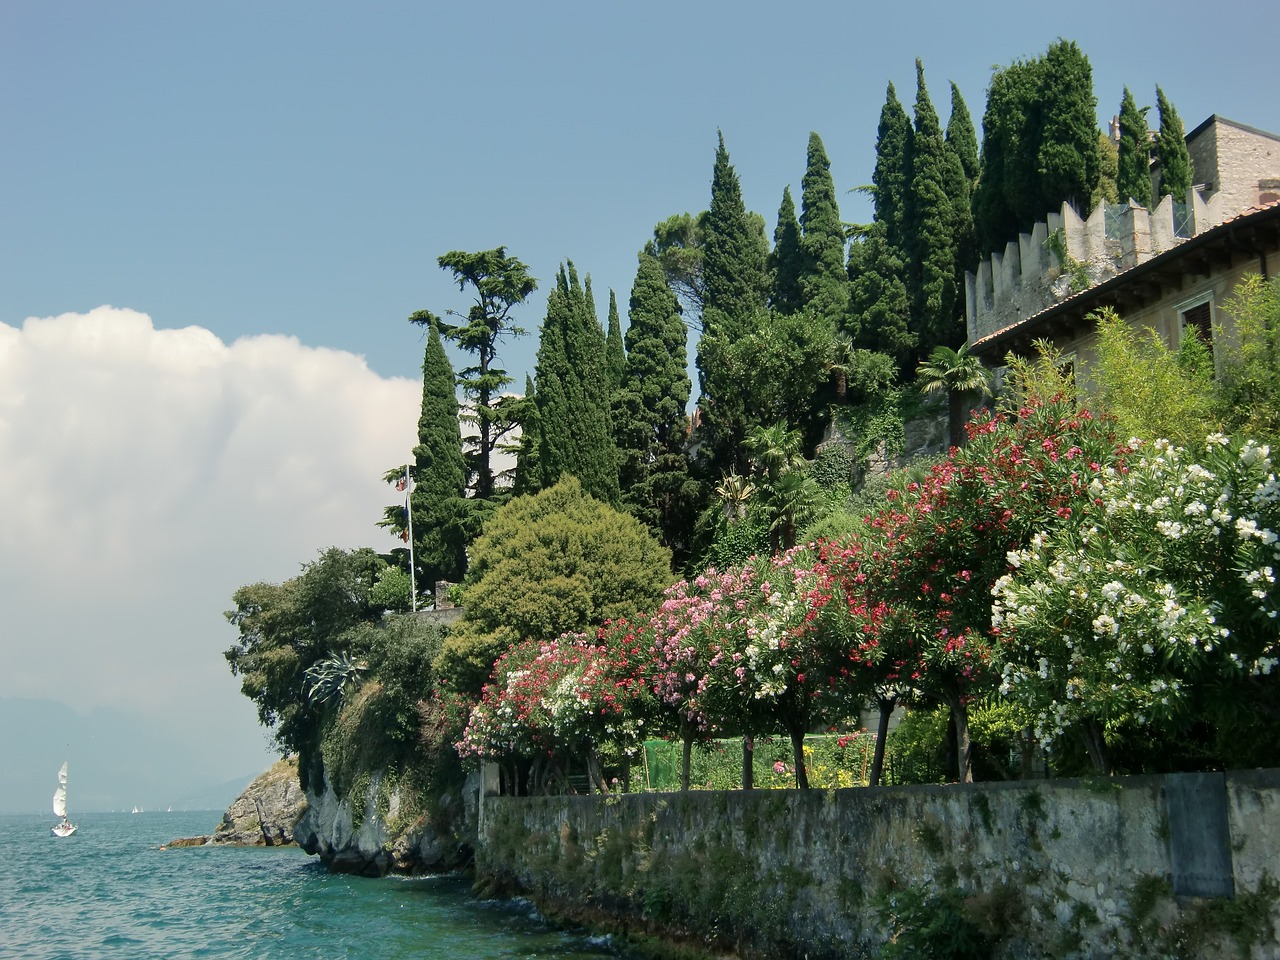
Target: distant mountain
(117,761)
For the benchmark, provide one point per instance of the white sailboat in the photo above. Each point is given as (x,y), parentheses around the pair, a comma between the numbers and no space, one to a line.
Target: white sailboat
(64,828)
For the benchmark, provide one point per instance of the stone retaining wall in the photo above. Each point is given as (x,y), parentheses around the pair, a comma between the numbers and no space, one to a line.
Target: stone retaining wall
(1183,866)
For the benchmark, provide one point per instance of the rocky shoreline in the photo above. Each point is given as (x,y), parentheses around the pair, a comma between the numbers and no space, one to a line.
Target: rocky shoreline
(263,816)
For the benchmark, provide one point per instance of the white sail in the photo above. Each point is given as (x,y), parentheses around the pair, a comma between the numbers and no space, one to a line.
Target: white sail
(60,795)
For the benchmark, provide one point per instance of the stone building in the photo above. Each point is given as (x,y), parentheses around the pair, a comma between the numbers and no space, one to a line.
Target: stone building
(1168,267)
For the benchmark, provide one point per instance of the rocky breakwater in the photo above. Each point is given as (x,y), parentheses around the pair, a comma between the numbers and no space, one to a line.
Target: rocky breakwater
(263,816)
(374,831)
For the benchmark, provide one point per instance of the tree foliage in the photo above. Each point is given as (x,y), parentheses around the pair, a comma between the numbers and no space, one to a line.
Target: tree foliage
(575,418)
(1133,176)
(499,284)
(1039,143)
(651,425)
(786,260)
(287,629)
(557,561)
(1176,173)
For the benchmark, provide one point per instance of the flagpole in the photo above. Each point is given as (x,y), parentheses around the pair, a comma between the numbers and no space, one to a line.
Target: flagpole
(408,512)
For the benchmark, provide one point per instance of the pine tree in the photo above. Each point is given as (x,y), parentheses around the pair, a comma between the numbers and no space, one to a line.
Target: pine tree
(1004,185)
(785,259)
(734,293)
(1176,174)
(614,354)
(500,284)
(1133,174)
(439,473)
(575,420)
(824,281)
(651,425)
(930,249)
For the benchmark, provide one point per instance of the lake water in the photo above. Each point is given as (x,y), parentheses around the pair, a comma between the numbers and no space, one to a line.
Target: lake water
(110,892)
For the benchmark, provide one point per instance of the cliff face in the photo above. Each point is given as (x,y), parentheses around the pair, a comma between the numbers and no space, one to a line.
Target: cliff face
(371,838)
(263,816)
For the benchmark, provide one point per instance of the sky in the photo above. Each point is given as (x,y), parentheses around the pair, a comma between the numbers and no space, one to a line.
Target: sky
(215,219)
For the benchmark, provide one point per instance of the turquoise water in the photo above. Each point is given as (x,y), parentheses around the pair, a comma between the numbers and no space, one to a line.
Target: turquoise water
(110,892)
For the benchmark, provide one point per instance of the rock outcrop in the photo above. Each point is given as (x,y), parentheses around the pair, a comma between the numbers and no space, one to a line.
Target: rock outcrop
(264,815)
(374,839)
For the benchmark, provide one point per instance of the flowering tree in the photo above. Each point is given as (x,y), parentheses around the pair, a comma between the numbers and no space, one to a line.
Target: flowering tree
(932,557)
(1156,607)
(570,698)
(691,620)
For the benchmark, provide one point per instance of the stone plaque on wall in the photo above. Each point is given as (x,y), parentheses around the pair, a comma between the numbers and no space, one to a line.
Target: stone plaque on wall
(1199,835)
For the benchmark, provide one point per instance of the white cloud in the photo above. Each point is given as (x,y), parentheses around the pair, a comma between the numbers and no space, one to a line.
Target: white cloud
(145,474)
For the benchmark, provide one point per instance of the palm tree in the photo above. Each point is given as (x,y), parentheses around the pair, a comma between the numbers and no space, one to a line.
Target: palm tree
(958,372)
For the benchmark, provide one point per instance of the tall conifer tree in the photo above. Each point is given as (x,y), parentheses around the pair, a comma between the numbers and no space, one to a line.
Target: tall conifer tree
(785,259)
(439,473)
(891,178)
(1067,159)
(575,421)
(651,424)
(735,289)
(500,283)
(824,281)
(1133,172)
(962,137)
(614,353)
(1176,174)
(528,471)
(879,308)
(930,251)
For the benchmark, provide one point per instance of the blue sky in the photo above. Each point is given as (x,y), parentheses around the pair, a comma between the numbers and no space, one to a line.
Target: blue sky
(260,191)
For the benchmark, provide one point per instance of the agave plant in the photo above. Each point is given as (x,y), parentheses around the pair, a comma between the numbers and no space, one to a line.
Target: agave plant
(330,679)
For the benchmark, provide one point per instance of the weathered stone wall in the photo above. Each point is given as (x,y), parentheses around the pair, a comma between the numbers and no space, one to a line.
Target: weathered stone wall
(1045,869)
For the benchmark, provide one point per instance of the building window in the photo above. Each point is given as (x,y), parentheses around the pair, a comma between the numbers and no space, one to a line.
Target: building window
(1199,317)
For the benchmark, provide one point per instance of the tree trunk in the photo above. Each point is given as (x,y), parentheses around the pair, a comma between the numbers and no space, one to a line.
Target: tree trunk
(1096,744)
(882,734)
(964,748)
(797,754)
(685,757)
(748,762)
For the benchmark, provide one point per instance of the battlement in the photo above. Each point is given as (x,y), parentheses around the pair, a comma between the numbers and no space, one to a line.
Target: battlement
(1063,255)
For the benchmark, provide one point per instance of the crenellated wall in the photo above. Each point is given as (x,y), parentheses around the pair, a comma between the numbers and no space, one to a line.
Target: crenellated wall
(1029,275)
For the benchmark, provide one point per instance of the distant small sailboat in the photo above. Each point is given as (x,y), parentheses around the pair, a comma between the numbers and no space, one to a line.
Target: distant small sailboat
(64,827)
(136,810)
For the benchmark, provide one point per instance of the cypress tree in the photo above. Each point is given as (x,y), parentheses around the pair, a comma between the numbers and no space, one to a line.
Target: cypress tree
(1067,158)
(880,312)
(1133,171)
(962,176)
(439,472)
(614,353)
(891,177)
(785,259)
(1176,174)
(528,471)
(575,421)
(824,282)
(734,292)
(652,425)
(1039,144)
(961,136)
(931,250)
(1107,190)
